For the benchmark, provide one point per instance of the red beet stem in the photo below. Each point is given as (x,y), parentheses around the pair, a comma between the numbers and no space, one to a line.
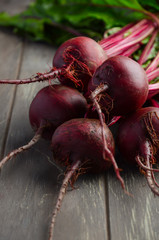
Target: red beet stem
(153,102)
(54,73)
(153,64)
(34,140)
(148,47)
(110,41)
(127,40)
(75,166)
(153,89)
(153,16)
(132,39)
(129,51)
(114,38)
(113,120)
(153,74)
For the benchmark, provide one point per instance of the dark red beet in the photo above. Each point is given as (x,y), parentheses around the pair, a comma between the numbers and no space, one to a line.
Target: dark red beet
(82,55)
(119,86)
(74,63)
(138,141)
(125,82)
(81,139)
(52,106)
(78,145)
(84,49)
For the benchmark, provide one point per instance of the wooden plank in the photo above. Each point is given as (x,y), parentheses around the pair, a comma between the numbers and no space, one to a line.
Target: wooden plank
(30,184)
(83,214)
(16,179)
(14,6)
(9,66)
(10,60)
(134,217)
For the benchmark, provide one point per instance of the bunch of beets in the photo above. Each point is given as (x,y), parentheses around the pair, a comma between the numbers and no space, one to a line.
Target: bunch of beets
(99,84)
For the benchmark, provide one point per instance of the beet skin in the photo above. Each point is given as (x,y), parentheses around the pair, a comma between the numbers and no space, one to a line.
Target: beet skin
(81,139)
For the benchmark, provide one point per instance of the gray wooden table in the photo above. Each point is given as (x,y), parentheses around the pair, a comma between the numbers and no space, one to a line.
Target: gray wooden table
(29,183)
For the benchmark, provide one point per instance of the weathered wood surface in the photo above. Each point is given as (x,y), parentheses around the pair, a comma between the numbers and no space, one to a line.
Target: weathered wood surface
(133,218)
(29,183)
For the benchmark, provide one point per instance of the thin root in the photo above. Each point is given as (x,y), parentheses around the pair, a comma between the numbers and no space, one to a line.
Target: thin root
(61,195)
(150,177)
(34,140)
(40,77)
(154,179)
(143,166)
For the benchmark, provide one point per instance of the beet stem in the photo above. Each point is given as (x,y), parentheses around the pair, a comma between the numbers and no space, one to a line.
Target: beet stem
(115,37)
(153,64)
(154,87)
(153,74)
(120,37)
(154,103)
(148,47)
(131,40)
(34,140)
(38,78)
(129,51)
(69,174)
(114,120)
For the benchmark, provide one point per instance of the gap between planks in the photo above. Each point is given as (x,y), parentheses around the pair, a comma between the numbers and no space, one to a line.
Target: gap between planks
(17,75)
(107,206)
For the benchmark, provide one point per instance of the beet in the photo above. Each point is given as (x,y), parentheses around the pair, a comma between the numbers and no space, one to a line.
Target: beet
(74,63)
(78,145)
(81,56)
(52,106)
(81,139)
(123,84)
(138,141)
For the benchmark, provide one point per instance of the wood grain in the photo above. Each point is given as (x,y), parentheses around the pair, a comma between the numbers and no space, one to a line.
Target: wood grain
(14,6)
(30,183)
(9,68)
(134,217)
